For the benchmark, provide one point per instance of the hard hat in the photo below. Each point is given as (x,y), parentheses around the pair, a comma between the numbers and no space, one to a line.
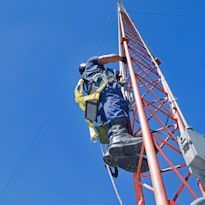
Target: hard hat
(82,68)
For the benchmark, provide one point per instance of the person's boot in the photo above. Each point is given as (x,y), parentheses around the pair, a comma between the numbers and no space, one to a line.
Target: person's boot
(126,162)
(122,143)
(123,148)
(110,160)
(130,163)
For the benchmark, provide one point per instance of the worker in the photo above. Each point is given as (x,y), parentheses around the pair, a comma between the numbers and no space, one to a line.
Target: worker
(123,149)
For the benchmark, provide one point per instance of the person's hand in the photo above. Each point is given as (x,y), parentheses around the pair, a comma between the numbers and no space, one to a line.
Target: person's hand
(124,59)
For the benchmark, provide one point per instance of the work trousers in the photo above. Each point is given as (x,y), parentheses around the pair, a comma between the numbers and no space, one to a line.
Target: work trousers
(112,104)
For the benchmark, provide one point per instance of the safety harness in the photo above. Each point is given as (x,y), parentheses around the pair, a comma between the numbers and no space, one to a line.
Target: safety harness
(82,100)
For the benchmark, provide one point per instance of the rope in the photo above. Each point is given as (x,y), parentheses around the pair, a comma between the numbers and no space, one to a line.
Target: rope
(112,179)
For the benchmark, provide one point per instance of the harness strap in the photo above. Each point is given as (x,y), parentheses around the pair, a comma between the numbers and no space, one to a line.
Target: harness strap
(80,99)
(79,93)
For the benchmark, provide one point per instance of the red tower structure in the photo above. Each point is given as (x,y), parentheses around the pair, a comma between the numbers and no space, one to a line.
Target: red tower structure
(157,117)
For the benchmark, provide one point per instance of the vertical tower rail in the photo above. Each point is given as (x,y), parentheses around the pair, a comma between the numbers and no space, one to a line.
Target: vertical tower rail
(156,116)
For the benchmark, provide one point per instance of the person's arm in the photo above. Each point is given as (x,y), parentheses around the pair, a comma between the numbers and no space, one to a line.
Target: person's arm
(111,58)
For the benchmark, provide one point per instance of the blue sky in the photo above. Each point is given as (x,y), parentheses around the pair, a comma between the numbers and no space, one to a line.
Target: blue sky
(45,153)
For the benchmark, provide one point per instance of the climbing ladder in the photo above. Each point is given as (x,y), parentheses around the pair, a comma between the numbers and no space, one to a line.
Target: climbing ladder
(157,117)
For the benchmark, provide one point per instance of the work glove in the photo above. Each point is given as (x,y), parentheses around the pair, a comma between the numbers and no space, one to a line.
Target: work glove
(124,59)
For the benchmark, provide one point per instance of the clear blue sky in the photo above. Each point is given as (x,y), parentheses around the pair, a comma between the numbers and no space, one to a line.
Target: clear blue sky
(41,45)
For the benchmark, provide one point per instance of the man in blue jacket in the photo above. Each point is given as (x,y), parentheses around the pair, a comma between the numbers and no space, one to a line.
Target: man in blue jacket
(123,150)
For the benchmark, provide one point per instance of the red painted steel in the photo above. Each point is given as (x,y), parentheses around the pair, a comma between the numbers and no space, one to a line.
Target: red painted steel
(157,117)
(160,194)
(202,188)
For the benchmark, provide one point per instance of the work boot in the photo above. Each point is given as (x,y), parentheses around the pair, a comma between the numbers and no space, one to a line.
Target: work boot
(128,163)
(110,160)
(123,148)
(122,143)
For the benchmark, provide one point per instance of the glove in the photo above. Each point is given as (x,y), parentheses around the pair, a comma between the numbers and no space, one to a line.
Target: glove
(124,59)
(118,76)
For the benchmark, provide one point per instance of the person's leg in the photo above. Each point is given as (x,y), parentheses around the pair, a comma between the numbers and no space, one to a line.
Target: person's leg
(121,141)
(116,111)
(123,148)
